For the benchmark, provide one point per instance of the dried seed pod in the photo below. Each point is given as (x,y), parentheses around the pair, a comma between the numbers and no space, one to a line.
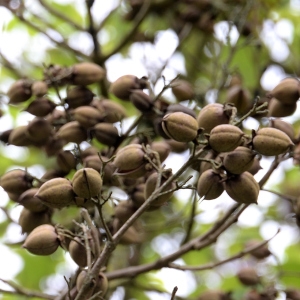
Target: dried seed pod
(72,132)
(239,160)
(87,183)
(141,101)
(180,108)
(66,161)
(20,91)
(211,116)
(56,193)
(287,91)
(162,148)
(248,276)
(124,85)
(259,253)
(113,112)
(292,294)
(105,133)
(242,188)
(214,295)
(124,210)
(182,90)
(209,185)
(29,220)
(280,110)
(180,127)
(4,136)
(87,116)
(138,195)
(77,251)
(283,126)
(255,167)
(54,145)
(225,138)
(271,141)
(100,284)
(39,88)
(39,130)
(40,107)
(240,97)
(130,161)
(151,186)
(30,202)
(177,147)
(79,96)
(16,181)
(43,240)
(19,137)
(86,73)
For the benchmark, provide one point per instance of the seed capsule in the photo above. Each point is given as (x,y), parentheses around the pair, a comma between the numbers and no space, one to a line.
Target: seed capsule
(287,91)
(280,110)
(238,160)
(283,126)
(240,97)
(87,116)
(19,137)
(39,130)
(79,96)
(39,88)
(141,100)
(20,91)
(40,107)
(72,132)
(214,295)
(271,141)
(248,276)
(30,202)
(105,133)
(209,185)
(43,240)
(259,253)
(86,73)
(87,183)
(29,220)
(242,188)
(56,193)
(182,90)
(66,161)
(77,251)
(180,127)
(225,138)
(212,115)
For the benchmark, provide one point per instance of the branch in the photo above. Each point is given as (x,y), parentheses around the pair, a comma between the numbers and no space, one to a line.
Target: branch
(59,15)
(127,38)
(18,290)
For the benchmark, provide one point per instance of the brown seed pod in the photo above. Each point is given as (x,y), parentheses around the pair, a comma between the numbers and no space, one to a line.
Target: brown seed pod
(39,88)
(56,193)
(40,107)
(180,127)
(292,294)
(43,240)
(113,112)
(29,220)
(39,130)
(20,91)
(248,276)
(162,148)
(77,251)
(280,110)
(105,133)
(141,101)
(209,185)
(72,132)
(283,126)
(225,138)
(239,160)
(87,183)
(124,85)
(66,161)
(182,90)
(211,116)
(180,108)
(86,73)
(130,161)
(54,145)
(87,116)
(214,295)
(30,202)
(177,147)
(242,188)
(240,97)
(138,195)
(271,141)
(259,253)
(19,137)
(255,167)
(124,210)
(79,96)
(16,181)
(151,186)
(287,91)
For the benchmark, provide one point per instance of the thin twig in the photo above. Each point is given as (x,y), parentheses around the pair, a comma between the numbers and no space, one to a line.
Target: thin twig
(174,292)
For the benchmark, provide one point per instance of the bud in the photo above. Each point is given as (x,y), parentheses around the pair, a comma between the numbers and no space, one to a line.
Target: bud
(86,73)
(180,126)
